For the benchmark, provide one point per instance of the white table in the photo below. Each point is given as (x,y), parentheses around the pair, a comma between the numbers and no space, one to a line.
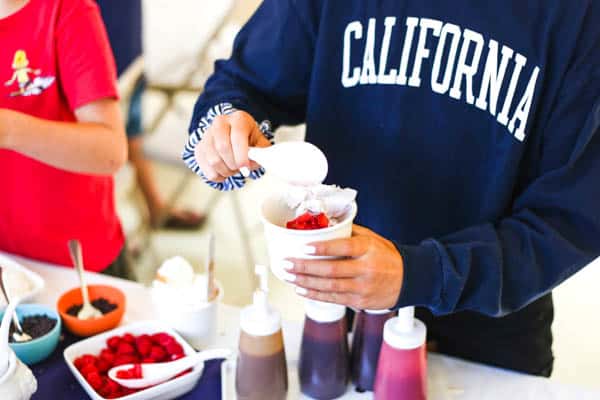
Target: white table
(448,378)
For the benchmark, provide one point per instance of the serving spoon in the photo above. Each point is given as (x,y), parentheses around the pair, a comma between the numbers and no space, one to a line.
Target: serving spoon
(18,334)
(153,374)
(298,163)
(87,311)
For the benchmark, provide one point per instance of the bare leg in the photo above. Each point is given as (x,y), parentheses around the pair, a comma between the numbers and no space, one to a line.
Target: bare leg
(180,219)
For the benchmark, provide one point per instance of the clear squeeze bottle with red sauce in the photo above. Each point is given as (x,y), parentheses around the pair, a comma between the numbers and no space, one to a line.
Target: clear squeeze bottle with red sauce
(366,344)
(324,357)
(402,369)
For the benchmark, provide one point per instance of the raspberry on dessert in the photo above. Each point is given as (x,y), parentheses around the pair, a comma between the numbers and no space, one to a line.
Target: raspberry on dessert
(157,353)
(125,348)
(113,342)
(308,221)
(174,348)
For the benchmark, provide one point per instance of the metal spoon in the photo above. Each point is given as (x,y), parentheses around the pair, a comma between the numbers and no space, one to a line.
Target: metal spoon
(87,310)
(211,291)
(18,334)
(153,374)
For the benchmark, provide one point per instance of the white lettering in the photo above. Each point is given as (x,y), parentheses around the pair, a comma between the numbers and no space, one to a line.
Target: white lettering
(443,87)
(384,79)
(464,69)
(522,111)
(369,73)
(422,51)
(493,76)
(520,62)
(353,29)
(411,24)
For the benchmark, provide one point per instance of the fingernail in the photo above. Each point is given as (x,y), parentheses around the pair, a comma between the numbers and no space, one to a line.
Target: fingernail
(301,291)
(289,277)
(309,249)
(245,171)
(288,265)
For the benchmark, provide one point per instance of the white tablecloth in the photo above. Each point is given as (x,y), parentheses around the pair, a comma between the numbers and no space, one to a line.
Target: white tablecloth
(448,378)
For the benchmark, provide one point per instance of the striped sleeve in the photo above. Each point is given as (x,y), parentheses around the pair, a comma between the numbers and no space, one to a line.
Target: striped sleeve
(236,181)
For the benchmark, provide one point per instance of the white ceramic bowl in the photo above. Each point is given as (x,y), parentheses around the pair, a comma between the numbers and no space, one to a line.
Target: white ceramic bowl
(165,391)
(285,243)
(35,281)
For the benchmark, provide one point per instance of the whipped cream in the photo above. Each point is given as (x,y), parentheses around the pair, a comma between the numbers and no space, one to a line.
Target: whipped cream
(329,199)
(177,285)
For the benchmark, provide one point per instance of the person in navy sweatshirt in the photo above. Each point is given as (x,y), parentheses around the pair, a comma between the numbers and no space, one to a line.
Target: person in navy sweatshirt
(471,131)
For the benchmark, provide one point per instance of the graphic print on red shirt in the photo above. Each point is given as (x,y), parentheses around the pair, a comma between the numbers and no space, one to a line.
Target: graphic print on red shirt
(55,57)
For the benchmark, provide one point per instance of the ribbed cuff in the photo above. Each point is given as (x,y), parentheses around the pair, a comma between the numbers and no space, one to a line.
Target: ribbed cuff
(423,276)
(236,181)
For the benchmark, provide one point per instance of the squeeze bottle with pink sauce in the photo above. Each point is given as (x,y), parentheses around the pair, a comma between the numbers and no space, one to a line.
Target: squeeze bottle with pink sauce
(402,369)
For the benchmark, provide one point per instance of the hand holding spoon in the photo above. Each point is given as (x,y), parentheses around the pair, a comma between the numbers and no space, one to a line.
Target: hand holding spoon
(87,310)
(298,163)
(18,334)
(153,374)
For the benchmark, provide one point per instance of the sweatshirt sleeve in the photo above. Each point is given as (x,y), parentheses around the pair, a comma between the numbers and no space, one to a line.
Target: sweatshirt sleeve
(267,74)
(552,230)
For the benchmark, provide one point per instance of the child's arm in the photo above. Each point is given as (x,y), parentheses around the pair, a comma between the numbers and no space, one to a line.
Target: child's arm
(11,80)
(95,144)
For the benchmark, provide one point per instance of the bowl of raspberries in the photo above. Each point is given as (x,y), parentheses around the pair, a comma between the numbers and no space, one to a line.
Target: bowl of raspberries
(144,342)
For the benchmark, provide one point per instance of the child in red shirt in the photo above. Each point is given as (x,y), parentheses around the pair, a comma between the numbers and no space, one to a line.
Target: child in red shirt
(61,133)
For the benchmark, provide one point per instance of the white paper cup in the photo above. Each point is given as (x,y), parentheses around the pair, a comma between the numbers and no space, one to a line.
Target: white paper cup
(197,325)
(283,243)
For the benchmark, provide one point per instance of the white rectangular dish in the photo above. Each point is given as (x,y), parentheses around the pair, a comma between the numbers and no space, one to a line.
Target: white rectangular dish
(165,391)
(16,287)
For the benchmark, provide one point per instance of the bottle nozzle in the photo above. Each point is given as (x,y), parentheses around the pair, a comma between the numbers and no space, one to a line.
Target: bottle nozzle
(406,319)
(263,275)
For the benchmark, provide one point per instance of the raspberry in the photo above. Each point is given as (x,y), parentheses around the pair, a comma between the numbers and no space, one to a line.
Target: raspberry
(113,342)
(88,369)
(309,221)
(129,338)
(108,356)
(157,353)
(148,360)
(125,359)
(123,374)
(162,338)
(103,366)
(174,357)
(174,348)
(143,345)
(95,380)
(125,348)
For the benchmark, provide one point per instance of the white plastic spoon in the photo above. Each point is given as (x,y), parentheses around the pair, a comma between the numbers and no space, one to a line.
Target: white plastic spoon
(4,329)
(298,163)
(153,374)
(87,309)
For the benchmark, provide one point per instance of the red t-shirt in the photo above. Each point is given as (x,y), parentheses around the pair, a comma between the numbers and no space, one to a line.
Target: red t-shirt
(54,58)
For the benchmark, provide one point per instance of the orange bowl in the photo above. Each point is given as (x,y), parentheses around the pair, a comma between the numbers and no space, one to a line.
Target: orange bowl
(89,327)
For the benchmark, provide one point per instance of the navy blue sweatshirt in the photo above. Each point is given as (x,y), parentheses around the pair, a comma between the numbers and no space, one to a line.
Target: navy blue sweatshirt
(470,129)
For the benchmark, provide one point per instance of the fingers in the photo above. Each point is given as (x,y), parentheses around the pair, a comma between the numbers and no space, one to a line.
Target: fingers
(344,299)
(323,268)
(341,285)
(224,148)
(240,137)
(222,139)
(355,246)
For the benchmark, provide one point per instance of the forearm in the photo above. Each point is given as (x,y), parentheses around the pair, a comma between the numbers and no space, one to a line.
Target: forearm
(82,147)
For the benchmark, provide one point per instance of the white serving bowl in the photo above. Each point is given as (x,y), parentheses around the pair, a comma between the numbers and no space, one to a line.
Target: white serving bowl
(164,391)
(35,281)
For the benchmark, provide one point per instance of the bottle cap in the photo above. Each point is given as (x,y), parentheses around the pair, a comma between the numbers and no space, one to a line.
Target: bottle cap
(323,312)
(260,319)
(378,312)
(405,332)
